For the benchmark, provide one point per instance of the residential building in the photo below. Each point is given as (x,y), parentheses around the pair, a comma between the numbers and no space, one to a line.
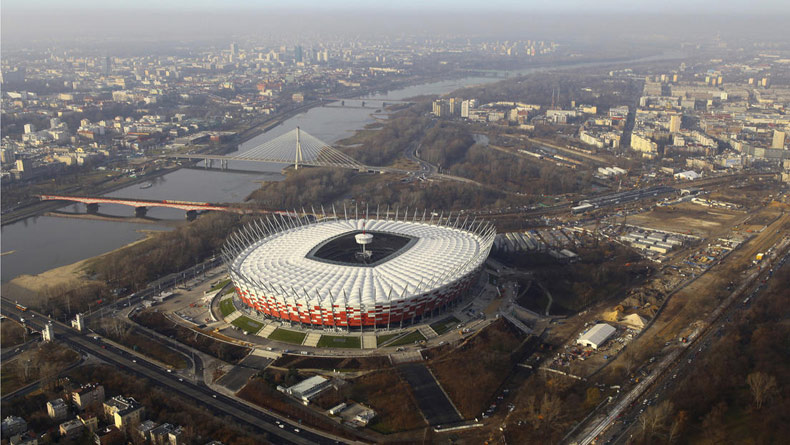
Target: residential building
(166,434)
(57,409)
(674,123)
(90,421)
(28,438)
(124,411)
(88,395)
(144,429)
(71,429)
(109,435)
(13,425)
(778,139)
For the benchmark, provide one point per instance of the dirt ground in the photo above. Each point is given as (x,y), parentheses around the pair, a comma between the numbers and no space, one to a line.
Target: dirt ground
(27,289)
(689,218)
(693,302)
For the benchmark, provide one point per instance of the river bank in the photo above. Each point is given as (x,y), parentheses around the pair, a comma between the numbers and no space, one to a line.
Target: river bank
(30,290)
(115,218)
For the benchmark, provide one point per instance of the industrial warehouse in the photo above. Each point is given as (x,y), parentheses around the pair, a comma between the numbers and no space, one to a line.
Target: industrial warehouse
(382,272)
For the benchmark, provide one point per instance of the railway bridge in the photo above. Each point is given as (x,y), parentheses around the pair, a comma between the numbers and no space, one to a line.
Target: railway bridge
(141,206)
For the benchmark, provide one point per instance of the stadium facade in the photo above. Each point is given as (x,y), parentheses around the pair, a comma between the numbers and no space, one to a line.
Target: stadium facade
(329,272)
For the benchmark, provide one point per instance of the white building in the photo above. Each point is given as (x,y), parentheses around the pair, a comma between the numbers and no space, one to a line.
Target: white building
(49,332)
(307,389)
(687,175)
(596,335)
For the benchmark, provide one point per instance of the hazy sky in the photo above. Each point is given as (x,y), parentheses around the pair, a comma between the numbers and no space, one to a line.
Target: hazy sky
(26,22)
(678,6)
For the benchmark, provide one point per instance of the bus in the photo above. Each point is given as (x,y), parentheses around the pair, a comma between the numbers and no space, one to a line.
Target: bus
(20,307)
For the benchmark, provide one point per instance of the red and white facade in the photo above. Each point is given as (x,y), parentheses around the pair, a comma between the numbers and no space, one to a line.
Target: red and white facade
(273,273)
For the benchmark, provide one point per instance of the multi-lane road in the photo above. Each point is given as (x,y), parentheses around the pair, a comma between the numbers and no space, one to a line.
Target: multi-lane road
(619,424)
(288,433)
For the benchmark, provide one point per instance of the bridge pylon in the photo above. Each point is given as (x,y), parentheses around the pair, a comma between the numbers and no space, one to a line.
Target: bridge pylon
(298,155)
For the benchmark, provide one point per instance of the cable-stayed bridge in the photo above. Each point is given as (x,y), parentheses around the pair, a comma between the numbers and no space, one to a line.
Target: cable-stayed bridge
(296,147)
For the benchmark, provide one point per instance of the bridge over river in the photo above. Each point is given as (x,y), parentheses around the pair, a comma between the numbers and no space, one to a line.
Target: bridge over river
(141,206)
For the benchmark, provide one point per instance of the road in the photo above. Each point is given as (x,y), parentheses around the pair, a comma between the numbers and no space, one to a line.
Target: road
(676,361)
(13,351)
(218,403)
(627,426)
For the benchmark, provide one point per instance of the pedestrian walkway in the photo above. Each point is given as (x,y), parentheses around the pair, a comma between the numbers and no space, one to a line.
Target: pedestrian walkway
(260,352)
(267,330)
(427,332)
(517,323)
(311,340)
(406,357)
(435,404)
(369,341)
(232,316)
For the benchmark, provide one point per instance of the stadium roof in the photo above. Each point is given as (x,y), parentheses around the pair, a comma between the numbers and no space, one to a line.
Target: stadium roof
(280,262)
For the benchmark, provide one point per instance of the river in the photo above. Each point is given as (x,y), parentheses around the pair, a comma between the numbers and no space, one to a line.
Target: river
(41,243)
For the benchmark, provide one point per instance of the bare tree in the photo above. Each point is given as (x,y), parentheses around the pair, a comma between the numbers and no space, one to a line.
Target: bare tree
(763,387)
(677,426)
(653,421)
(116,327)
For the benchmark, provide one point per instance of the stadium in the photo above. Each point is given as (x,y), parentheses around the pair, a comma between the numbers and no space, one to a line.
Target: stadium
(356,272)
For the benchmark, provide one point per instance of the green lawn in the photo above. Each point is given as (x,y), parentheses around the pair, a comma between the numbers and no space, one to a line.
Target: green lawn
(339,341)
(226,307)
(247,324)
(442,326)
(287,336)
(220,285)
(408,339)
(381,339)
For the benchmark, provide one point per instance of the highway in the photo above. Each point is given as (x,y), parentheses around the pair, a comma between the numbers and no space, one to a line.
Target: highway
(677,360)
(626,427)
(199,392)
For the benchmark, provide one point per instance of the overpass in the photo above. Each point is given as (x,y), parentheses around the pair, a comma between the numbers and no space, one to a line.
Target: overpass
(142,205)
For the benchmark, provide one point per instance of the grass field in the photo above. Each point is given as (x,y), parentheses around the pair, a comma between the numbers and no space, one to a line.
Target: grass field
(337,341)
(442,326)
(287,336)
(226,307)
(220,285)
(247,324)
(381,339)
(408,339)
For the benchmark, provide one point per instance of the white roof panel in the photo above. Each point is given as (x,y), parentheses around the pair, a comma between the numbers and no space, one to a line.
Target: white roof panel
(440,255)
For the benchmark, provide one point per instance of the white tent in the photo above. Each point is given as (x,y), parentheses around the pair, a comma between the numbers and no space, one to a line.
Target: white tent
(596,335)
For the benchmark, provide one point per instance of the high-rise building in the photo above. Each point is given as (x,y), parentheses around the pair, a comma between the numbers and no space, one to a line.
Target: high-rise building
(454,105)
(298,53)
(23,165)
(467,106)
(106,65)
(7,156)
(779,139)
(674,123)
(233,49)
